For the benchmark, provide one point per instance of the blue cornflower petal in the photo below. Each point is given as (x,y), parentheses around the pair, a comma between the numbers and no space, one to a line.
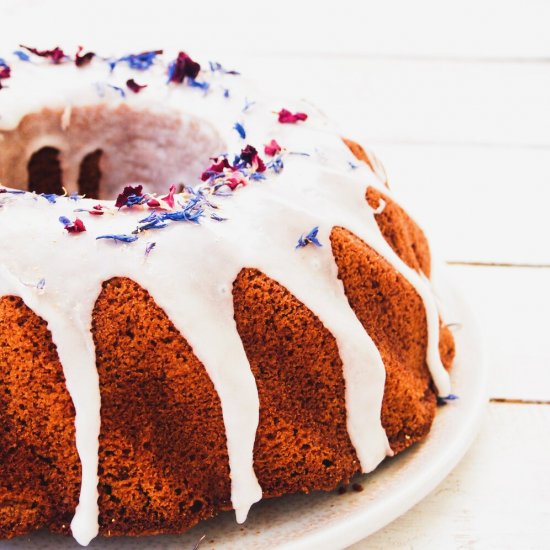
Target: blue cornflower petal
(121,238)
(149,248)
(217,218)
(257,176)
(50,197)
(310,238)
(23,56)
(446,399)
(118,89)
(141,61)
(240,129)
(276,164)
(205,86)
(247,105)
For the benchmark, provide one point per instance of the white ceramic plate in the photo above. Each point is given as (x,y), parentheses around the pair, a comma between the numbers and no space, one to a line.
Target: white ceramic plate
(329,521)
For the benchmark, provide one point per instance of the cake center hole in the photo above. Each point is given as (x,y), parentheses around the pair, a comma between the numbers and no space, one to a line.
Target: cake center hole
(96,151)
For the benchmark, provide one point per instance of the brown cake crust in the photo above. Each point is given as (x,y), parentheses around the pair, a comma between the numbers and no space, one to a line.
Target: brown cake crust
(302,441)
(163,463)
(39,465)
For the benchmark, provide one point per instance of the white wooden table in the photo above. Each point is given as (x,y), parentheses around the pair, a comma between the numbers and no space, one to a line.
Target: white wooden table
(455,99)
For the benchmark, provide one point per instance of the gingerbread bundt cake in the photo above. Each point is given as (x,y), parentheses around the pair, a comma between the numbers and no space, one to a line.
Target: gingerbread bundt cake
(205,299)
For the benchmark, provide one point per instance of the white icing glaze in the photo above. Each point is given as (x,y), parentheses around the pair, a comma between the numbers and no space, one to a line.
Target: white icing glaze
(191,270)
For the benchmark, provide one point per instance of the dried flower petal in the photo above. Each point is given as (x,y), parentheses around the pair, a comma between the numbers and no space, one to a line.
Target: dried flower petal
(5,71)
(444,400)
(181,67)
(219,165)
(22,55)
(217,67)
(50,197)
(272,148)
(286,117)
(134,86)
(77,226)
(83,59)
(121,238)
(234,181)
(130,196)
(169,199)
(310,238)
(240,129)
(250,156)
(140,61)
(276,164)
(56,55)
(205,86)
(117,89)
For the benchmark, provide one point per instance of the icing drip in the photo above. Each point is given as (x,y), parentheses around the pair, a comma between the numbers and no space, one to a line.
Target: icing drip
(71,334)
(191,271)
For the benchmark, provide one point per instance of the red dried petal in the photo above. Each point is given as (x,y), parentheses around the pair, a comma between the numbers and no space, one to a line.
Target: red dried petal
(134,86)
(183,66)
(5,72)
(272,148)
(81,60)
(218,167)
(56,55)
(127,192)
(250,156)
(234,181)
(97,210)
(169,199)
(76,227)
(286,117)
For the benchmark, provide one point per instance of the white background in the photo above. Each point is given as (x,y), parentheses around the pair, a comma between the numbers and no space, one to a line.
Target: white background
(455,99)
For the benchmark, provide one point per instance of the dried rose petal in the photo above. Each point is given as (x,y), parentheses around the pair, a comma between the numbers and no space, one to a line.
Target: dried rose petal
(97,210)
(128,191)
(84,59)
(272,148)
(56,55)
(183,66)
(134,86)
(286,117)
(234,181)
(217,167)
(169,199)
(74,227)
(250,156)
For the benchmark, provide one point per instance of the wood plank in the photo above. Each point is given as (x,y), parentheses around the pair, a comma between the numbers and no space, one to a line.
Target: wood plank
(378,98)
(497,497)
(512,307)
(487,28)
(476,204)
(421,102)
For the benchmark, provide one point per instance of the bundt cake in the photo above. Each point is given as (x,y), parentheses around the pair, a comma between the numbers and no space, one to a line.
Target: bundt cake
(206,297)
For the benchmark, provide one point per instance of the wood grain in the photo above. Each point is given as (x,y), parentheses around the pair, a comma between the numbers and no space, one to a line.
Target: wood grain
(496,498)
